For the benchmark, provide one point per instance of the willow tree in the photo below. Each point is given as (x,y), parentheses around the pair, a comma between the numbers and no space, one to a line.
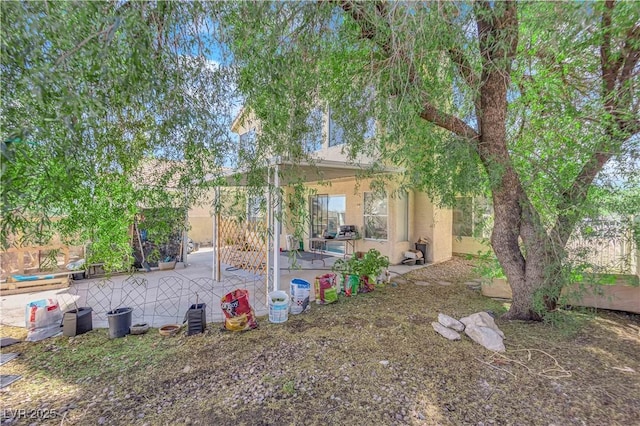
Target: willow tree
(530,101)
(107,107)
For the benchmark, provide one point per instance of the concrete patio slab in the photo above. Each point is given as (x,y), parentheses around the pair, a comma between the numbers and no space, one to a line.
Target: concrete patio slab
(163,297)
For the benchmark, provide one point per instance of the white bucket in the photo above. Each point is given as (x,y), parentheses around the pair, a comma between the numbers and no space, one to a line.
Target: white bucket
(278,306)
(300,292)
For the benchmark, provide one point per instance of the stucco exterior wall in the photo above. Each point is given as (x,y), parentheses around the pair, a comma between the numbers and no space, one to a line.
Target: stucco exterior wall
(424,220)
(468,245)
(201,220)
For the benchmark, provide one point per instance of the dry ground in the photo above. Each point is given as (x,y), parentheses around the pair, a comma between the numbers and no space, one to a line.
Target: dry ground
(367,360)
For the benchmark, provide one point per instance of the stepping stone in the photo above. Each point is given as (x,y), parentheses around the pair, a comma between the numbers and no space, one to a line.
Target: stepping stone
(6,357)
(7,379)
(8,341)
(423,283)
(445,283)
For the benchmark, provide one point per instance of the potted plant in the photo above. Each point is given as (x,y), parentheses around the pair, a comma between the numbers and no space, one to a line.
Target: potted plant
(371,266)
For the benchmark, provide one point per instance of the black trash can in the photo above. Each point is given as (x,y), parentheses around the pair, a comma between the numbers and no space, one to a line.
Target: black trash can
(424,249)
(77,321)
(196,319)
(119,322)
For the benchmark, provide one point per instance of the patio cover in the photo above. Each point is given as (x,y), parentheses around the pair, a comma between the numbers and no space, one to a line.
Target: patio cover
(285,172)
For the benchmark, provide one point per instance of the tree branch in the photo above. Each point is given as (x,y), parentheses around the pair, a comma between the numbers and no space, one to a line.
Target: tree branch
(449,122)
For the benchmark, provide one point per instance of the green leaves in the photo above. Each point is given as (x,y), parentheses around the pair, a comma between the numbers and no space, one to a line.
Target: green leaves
(96,91)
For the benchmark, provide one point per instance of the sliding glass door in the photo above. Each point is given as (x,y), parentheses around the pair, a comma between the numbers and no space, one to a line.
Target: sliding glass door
(327,214)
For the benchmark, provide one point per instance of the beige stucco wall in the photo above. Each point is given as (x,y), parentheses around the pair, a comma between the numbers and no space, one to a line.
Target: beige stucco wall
(201,220)
(435,224)
(424,220)
(469,245)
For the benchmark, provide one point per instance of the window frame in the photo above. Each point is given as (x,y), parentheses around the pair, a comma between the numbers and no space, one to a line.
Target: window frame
(365,215)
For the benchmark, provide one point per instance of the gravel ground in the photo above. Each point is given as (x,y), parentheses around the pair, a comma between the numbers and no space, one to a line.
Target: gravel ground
(369,359)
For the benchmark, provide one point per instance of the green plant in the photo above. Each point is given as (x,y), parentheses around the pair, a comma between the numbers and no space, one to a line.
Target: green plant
(289,387)
(373,263)
(351,266)
(487,265)
(154,256)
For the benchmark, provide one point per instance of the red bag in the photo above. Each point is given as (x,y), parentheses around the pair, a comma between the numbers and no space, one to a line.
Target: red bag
(322,283)
(238,313)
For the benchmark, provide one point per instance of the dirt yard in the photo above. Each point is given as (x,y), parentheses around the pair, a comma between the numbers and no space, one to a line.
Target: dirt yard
(367,360)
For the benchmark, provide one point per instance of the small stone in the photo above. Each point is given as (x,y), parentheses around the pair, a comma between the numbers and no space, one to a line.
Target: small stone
(421,416)
(450,322)
(187,369)
(346,378)
(101,420)
(445,332)
(399,416)
(141,416)
(384,362)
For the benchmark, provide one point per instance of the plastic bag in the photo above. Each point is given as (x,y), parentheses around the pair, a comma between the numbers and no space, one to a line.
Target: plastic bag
(300,291)
(43,319)
(239,314)
(325,289)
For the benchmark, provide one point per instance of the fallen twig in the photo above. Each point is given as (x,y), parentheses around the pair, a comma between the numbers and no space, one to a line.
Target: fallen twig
(562,372)
(497,368)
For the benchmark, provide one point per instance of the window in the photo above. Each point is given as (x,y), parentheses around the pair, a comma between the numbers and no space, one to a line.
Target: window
(327,215)
(247,142)
(336,132)
(472,217)
(370,130)
(402,217)
(312,140)
(375,216)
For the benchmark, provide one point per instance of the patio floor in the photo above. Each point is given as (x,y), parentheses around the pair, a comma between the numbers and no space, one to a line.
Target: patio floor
(163,297)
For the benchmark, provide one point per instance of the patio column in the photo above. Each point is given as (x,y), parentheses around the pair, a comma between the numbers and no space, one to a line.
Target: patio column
(277,211)
(215,236)
(185,236)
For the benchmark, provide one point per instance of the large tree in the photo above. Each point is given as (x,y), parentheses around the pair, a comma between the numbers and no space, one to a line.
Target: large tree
(106,107)
(528,100)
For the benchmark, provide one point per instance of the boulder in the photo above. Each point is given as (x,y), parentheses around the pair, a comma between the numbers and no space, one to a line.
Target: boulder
(486,336)
(450,322)
(482,319)
(445,332)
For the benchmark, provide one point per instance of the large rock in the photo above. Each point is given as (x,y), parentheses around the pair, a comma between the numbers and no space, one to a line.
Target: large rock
(450,322)
(482,319)
(445,332)
(486,336)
